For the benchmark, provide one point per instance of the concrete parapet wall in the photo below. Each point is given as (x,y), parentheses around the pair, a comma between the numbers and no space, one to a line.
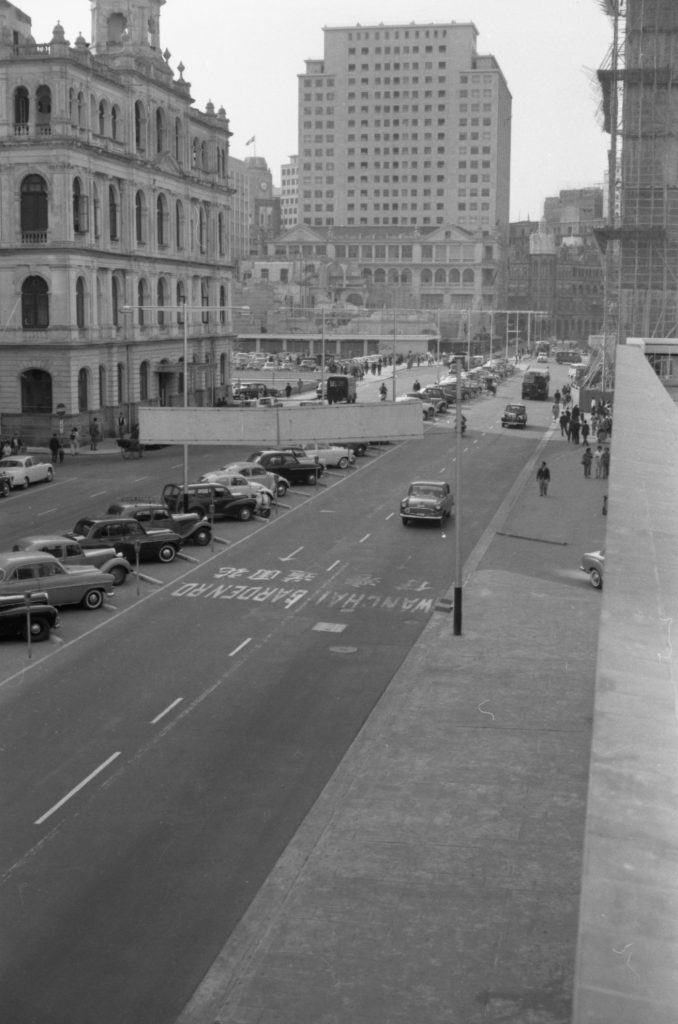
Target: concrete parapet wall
(627,957)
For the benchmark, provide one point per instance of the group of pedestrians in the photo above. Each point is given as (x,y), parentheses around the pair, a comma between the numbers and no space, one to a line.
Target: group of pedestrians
(10,446)
(574,426)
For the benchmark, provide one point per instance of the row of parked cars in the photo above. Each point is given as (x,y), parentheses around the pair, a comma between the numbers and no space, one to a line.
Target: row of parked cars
(45,572)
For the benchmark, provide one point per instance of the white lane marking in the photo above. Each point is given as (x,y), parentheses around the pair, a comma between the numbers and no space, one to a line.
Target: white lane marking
(331,567)
(390,516)
(240,647)
(47,512)
(167,710)
(97,494)
(76,789)
(330,627)
(364,538)
(295,552)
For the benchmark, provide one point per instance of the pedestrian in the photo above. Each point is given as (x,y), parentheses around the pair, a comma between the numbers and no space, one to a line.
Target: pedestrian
(93,434)
(586,460)
(288,389)
(597,460)
(543,479)
(605,504)
(121,425)
(605,463)
(556,398)
(300,385)
(585,430)
(62,453)
(75,440)
(564,423)
(555,409)
(54,448)
(574,431)
(416,386)
(15,444)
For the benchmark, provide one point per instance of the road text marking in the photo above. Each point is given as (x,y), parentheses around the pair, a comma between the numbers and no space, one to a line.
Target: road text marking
(76,789)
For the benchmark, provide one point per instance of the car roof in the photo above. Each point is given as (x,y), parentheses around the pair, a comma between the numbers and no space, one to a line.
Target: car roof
(44,538)
(8,559)
(428,483)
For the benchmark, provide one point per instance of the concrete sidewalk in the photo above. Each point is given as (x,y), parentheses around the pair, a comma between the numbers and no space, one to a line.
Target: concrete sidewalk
(437,877)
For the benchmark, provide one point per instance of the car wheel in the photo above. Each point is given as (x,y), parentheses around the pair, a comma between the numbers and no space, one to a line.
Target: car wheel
(50,475)
(167,553)
(245,513)
(343,463)
(312,478)
(4,489)
(405,521)
(40,629)
(202,537)
(93,599)
(119,574)
(25,483)
(596,578)
(281,488)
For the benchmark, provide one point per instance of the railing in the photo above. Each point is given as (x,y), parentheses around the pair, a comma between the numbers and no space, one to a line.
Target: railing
(33,237)
(22,129)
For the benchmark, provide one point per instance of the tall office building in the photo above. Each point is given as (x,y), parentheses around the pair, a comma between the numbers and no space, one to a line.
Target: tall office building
(404,125)
(289,193)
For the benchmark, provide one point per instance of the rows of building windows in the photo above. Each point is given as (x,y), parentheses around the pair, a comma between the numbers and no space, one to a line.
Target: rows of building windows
(154,133)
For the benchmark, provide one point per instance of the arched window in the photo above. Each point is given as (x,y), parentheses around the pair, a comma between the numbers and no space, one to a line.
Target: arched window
(205,300)
(179,225)
(142,300)
(140,217)
(380,277)
(99,300)
(34,303)
(406,277)
(161,219)
(162,300)
(222,304)
(139,127)
(102,118)
(468,277)
(181,301)
(113,209)
(80,218)
(34,208)
(366,275)
(36,391)
(455,276)
(194,154)
(81,110)
(202,229)
(120,382)
(160,131)
(115,300)
(22,109)
(102,385)
(96,207)
(222,368)
(203,156)
(83,390)
(441,276)
(71,105)
(426,277)
(80,302)
(143,381)
(115,120)
(222,236)
(43,107)
(393,276)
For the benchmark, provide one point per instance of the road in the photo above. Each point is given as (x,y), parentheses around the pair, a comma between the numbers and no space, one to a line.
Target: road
(158,758)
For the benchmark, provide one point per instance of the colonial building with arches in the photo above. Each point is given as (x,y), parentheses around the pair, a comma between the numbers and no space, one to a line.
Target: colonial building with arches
(114,204)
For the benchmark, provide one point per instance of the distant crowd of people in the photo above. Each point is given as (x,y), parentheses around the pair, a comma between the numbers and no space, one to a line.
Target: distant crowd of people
(10,445)
(595,433)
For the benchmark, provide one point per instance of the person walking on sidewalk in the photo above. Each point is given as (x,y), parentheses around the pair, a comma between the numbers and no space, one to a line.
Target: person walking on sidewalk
(93,434)
(597,459)
(605,463)
(543,479)
(565,424)
(585,430)
(75,440)
(54,448)
(586,460)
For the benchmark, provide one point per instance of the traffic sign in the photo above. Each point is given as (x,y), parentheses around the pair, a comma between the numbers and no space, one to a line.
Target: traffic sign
(61,409)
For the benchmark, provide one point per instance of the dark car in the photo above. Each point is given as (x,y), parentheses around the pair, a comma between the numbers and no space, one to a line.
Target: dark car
(154,515)
(22,618)
(430,500)
(514,416)
(210,499)
(70,552)
(128,537)
(293,469)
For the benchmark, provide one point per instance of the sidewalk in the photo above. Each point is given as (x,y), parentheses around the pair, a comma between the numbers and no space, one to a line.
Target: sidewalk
(436,880)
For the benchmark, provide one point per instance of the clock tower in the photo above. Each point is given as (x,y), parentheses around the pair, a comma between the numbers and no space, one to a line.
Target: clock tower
(126,24)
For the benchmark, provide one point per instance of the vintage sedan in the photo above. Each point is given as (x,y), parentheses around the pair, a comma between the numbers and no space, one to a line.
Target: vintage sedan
(70,552)
(291,467)
(514,416)
(325,453)
(34,618)
(154,515)
(210,499)
(593,564)
(253,473)
(128,537)
(23,470)
(24,572)
(430,500)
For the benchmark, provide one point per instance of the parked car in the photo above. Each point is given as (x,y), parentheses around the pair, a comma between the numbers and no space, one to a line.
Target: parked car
(327,454)
(427,409)
(427,499)
(293,469)
(430,407)
(24,572)
(359,448)
(210,499)
(154,515)
(19,618)
(251,471)
(70,552)
(449,386)
(593,563)
(128,537)
(308,364)
(240,485)
(437,396)
(514,416)
(22,470)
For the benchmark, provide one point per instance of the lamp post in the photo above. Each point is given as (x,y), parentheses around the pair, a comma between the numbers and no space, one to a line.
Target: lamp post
(458,506)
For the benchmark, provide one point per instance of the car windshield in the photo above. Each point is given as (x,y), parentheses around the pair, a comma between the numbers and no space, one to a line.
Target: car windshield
(9,462)
(426,491)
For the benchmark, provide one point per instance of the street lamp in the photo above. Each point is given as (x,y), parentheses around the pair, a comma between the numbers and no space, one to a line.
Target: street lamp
(184,309)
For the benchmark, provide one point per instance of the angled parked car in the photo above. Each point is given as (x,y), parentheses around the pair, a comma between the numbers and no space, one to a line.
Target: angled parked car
(128,537)
(430,500)
(23,470)
(328,454)
(291,467)
(210,498)
(35,618)
(23,572)
(593,564)
(154,515)
(253,473)
(70,552)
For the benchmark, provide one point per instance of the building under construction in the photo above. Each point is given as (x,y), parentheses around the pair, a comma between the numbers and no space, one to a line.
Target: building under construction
(640,105)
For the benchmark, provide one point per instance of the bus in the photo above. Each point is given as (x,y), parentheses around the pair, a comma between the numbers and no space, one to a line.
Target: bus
(535,384)
(568,356)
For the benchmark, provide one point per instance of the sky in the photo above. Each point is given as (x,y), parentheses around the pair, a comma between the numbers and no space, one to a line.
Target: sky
(246,57)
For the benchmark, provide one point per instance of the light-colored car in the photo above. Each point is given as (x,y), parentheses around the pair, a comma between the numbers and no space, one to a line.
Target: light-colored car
(24,572)
(22,470)
(251,471)
(428,409)
(238,484)
(327,454)
(70,552)
(427,499)
(593,564)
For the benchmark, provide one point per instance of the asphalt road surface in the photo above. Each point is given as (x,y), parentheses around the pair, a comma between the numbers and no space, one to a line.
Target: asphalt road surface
(160,754)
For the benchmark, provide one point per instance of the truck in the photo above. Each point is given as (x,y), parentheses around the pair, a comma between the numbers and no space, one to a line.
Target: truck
(341,387)
(535,384)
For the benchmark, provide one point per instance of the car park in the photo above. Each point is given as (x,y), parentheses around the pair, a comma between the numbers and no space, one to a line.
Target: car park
(128,537)
(293,469)
(252,472)
(210,499)
(24,572)
(70,552)
(430,500)
(32,618)
(191,526)
(23,470)
(593,564)
(327,454)
(514,416)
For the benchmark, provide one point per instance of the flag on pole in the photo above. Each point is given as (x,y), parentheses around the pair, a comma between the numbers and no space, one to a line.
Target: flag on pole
(250,141)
